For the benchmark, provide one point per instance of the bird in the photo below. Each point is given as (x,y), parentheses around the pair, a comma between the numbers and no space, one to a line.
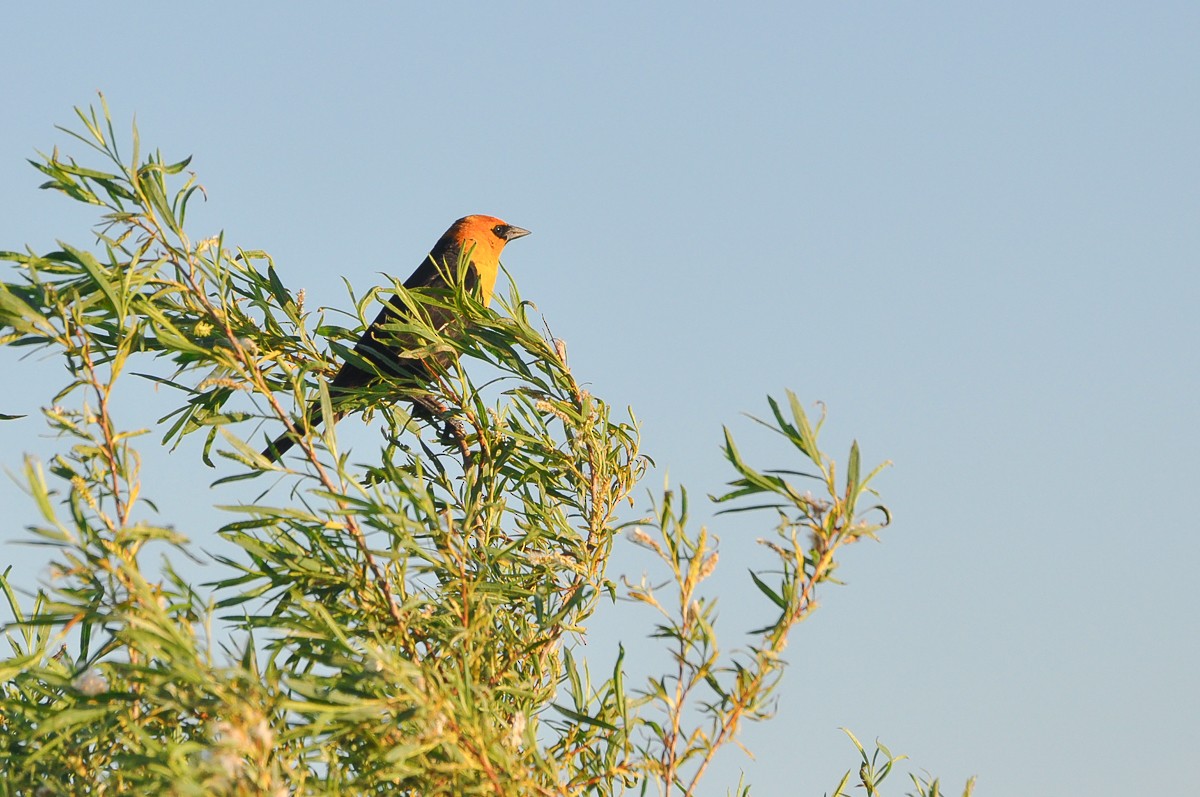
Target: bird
(475,241)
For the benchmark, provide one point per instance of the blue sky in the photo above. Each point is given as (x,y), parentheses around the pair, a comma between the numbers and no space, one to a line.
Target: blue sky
(970,230)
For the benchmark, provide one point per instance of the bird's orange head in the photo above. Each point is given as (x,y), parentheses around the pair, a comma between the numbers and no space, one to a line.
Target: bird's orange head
(484,237)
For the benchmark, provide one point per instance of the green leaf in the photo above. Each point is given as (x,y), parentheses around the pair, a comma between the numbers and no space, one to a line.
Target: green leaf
(99,276)
(176,168)
(328,418)
(282,297)
(18,314)
(582,718)
(151,185)
(805,437)
(852,485)
(79,171)
(775,597)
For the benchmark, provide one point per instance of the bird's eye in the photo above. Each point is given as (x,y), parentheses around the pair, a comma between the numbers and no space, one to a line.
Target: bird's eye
(500,231)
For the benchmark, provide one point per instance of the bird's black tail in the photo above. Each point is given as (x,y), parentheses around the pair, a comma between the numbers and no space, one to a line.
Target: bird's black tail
(282,444)
(424,407)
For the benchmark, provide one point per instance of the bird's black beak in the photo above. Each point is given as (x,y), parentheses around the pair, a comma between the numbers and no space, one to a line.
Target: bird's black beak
(512,233)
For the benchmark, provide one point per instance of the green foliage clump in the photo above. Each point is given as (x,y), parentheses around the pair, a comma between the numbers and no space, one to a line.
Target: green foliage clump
(408,624)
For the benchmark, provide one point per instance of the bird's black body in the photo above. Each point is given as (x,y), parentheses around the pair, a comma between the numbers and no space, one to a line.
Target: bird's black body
(380,346)
(480,238)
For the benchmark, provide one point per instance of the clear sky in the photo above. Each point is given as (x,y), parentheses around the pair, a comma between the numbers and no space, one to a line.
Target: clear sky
(970,229)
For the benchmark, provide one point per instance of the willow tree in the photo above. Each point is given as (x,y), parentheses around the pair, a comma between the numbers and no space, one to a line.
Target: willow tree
(400,620)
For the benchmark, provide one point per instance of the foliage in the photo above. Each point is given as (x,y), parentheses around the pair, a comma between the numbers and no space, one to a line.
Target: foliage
(409,624)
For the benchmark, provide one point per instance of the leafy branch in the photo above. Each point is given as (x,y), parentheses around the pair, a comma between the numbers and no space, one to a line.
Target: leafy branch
(406,619)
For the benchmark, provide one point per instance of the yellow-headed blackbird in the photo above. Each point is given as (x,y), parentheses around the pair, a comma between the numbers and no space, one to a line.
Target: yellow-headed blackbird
(481,238)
